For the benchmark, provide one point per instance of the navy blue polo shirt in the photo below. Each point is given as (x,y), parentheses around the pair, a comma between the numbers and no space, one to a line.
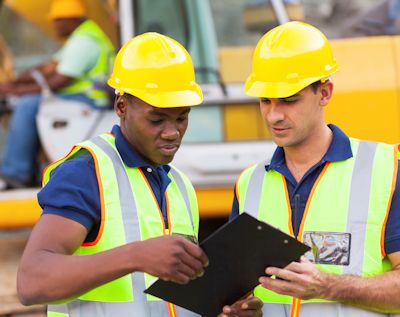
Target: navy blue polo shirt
(339,150)
(73,192)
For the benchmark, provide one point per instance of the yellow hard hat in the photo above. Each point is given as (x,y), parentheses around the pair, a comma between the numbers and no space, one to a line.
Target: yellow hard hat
(287,59)
(62,9)
(157,70)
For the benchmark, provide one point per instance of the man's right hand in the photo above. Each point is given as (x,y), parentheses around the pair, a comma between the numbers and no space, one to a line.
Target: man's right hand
(171,258)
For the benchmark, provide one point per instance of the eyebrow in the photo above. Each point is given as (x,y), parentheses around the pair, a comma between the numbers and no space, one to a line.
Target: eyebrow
(163,114)
(292,96)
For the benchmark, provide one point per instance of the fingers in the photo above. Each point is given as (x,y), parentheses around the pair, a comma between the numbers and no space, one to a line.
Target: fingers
(250,306)
(252,303)
(186,261)
(195,251)
(179,277)
(193,264)
(194,257)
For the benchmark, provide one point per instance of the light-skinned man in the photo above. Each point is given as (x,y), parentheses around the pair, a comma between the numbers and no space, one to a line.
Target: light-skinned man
(335,193)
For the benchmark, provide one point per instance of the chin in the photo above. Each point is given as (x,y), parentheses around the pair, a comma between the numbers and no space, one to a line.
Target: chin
(163,160)
(167,160)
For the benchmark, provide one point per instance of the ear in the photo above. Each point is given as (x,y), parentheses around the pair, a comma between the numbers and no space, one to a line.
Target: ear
(326,93)
(120,106)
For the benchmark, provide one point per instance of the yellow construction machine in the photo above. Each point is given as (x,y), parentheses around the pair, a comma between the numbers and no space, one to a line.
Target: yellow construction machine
(226,134)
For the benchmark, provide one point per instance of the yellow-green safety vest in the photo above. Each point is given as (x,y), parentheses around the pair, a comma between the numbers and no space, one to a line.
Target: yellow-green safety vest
(100,72)
(129,212)
(351,196)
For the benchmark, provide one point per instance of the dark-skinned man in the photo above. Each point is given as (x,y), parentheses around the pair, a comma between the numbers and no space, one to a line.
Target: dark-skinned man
(116,202)
(75,73)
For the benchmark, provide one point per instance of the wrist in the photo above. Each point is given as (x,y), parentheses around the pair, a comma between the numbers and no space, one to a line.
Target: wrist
(134,258)
(329,285)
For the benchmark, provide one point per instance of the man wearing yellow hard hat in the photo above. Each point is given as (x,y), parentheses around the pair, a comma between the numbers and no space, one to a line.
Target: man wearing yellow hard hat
(77,72)
(337,194)
(115,214)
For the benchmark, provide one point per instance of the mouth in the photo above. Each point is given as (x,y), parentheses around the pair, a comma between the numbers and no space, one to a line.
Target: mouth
(169,149)
(279,131)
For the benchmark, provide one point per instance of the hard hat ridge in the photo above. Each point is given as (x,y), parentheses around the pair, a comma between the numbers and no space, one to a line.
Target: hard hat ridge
(287,59)
(60,9)
(158,70)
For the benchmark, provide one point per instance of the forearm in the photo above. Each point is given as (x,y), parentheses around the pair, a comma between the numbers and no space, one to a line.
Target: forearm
(24,89)
(380,293)
(47,70)
(52,277)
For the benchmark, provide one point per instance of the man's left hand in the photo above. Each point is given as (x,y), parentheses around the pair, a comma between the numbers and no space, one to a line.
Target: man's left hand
(248,307)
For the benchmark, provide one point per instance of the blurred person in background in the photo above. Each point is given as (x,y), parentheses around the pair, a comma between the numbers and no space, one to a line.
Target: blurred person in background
(76,72)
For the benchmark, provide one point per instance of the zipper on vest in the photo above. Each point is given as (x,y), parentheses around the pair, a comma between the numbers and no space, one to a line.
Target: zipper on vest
(295,215)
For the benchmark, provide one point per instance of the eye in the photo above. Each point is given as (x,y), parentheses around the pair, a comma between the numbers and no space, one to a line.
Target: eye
(156,121)
(265,101)
(182,119)
(290,101)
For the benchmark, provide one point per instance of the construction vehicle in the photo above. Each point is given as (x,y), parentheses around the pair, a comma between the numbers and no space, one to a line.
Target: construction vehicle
(226,134)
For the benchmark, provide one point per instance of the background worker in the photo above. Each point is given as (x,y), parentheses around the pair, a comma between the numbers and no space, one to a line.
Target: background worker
(338,194)
(74,73)
(115,201)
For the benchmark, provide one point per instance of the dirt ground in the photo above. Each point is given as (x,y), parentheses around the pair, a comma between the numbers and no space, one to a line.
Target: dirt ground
(11,247)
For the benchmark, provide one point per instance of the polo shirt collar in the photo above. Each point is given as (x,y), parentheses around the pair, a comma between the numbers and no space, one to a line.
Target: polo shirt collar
(339,150)
(128,154)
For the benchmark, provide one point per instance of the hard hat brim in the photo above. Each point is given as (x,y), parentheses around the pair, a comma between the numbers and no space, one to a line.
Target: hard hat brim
(168,99)
(262,89)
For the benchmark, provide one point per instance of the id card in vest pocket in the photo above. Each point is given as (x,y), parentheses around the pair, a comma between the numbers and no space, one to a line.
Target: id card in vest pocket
(328,247)
(191,238)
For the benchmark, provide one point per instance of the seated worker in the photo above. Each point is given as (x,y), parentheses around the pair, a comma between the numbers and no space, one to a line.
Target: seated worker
(115,214)
(83,61)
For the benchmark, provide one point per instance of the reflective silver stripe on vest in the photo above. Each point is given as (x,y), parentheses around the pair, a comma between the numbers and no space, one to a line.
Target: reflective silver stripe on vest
(254,190)
(359,205)
(182,188)
(129,216)
(139,307)
(335,310)
(62,309)
(276,310)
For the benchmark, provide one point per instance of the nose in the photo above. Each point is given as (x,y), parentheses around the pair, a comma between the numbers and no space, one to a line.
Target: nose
(170,132)
(272,112)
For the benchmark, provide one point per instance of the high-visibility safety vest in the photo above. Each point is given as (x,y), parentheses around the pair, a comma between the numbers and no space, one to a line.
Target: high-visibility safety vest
(351,196)
(129,212)
(100,72)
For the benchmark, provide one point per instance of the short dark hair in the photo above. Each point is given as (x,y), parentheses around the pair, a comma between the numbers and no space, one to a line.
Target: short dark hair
(315,85)
(130,98)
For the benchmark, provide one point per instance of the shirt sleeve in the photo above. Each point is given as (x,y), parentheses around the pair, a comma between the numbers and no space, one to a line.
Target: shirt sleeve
(235,206)
(392,232)
(72,192)
(78,55)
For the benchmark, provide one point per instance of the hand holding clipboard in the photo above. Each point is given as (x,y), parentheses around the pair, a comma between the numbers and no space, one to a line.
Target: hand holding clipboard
(238,253)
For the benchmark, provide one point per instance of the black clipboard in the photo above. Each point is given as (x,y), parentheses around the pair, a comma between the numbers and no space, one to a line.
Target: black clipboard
(239,252)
